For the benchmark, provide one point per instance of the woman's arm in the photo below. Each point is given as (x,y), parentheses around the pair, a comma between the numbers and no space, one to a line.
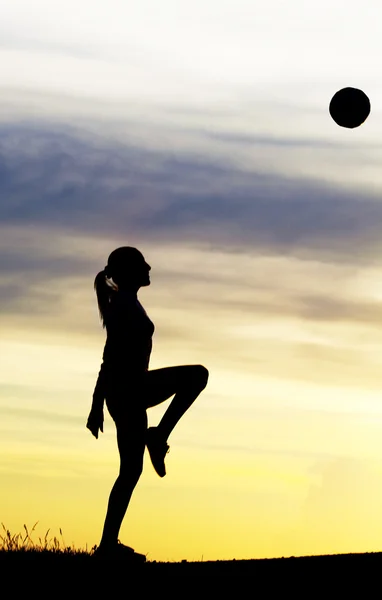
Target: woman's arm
(99,390)
(95,418)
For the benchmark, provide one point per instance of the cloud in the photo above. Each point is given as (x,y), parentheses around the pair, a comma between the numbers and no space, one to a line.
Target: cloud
(52,177)
(53,418)
(216,235)
(323,308)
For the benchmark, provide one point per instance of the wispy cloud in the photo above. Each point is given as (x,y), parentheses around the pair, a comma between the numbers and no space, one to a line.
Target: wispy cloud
(54,178)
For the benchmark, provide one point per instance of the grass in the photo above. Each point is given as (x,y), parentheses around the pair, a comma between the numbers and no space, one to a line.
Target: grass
(51,559)
(20,543)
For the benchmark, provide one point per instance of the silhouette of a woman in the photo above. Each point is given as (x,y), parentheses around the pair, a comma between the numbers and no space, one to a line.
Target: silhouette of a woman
(129,388)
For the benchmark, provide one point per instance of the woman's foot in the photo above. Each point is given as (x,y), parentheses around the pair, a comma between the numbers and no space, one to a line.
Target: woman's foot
(158,449)
(119,551)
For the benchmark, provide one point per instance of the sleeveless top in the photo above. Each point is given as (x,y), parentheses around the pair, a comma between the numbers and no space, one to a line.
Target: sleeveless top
(128,344)
(129,333)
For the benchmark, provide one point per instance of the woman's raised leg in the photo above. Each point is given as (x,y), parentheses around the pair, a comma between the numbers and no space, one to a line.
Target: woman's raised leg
(186,382)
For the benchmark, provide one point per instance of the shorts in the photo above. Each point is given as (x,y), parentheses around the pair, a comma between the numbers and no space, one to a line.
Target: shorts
(127,398)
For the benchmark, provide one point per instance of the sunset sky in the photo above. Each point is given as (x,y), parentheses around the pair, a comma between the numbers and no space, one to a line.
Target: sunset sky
(198,132)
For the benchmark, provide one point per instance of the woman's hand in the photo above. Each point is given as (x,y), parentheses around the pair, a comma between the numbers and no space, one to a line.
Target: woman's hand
(95,421)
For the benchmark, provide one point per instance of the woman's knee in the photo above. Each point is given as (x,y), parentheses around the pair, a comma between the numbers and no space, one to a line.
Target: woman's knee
(201,375)
(131,446)
(130,472)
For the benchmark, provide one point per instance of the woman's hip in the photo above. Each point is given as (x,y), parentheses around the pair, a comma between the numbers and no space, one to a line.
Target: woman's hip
(126,396)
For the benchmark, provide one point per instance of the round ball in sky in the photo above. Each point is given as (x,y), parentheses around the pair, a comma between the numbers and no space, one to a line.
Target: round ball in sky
(349,107)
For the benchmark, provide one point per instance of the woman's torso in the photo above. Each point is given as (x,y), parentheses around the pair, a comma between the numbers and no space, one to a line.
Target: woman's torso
(129,337)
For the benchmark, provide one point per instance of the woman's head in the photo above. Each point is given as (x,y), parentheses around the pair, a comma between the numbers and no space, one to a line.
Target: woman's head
(126,269)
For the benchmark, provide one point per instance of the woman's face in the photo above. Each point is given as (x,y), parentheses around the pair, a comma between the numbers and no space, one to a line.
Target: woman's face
(137,273)
(145,271)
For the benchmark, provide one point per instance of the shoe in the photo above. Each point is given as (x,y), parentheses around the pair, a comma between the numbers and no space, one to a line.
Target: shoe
(157,449)
(119,552)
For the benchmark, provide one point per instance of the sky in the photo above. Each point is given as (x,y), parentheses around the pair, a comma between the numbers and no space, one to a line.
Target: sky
(198,132)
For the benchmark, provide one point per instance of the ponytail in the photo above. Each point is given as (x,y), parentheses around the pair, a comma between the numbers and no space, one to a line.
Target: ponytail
(104,291)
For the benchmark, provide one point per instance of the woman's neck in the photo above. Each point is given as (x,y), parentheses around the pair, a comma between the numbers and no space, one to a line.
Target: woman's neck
(128,290)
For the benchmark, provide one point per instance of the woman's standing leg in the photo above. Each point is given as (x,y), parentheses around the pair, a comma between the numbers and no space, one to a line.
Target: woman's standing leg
(131,437)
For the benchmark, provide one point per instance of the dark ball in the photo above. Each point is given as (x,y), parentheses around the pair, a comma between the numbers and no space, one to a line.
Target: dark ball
(349,107)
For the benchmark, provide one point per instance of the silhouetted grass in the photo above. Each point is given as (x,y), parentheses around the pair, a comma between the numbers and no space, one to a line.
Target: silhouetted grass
(23,545)
(53,559)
